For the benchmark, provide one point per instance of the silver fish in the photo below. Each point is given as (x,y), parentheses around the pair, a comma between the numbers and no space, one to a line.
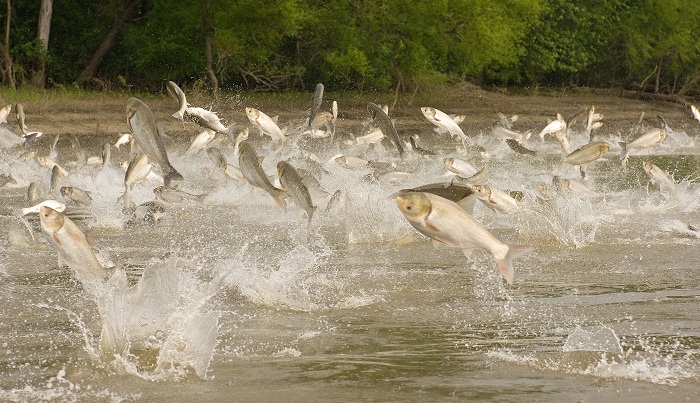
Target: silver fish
(55,179)
(331,124)
(583,156)
(77,195)
(462,195)
(148,213)
(143,128)
(200,141)
(265,124)
(123,139)
(56,205)
(207,119)
(71,245)
(170,195)
(255,175)
(696,113)
(557,125)
(444,221)
(460,167)
(179,96)
(138,169)
(417,147)
(496,199)
(649,139)
(382,120)
(217,158)
(658,176)
(33,192)
(4,113)
(516,146)
(444,122)
(316,102)
(296,190)
(19,114)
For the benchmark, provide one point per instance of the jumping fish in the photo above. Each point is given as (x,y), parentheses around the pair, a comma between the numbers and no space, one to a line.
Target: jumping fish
(143,128)
(138,169)
(255,175)
(265,124)
(77,195)
(70,243)
(331,124)
(651,138)
(462,195)
(179,96)
(200,141)
(516,146)
(207,119)
(4,113)
(106,154)
(19,114)
(583,156)
(501,132)
(557,125)
(460,167)
(658,176)
(417,147)
(443,122)
(170,195)
(53,204)
(695,111)
(495,199)
(294,187)
(123,139)
(444,221)
(316,102)
(382,120)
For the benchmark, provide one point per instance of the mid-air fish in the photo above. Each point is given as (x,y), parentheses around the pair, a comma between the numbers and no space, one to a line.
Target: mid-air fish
(695,112)
(658,176)
(255,175)
(70,243)
(444,221)
(462,195)
(179,96)
(76,195)
(497,200)
(143,128)
(316,102)
(554,126)
(138,169)
(207,119)
(516,146)
(382,120)
(265,124)
(651,138)
(444,122)
(200,141)
(170,195)
(583,156)
(54,204)
(294,187)
(4,113)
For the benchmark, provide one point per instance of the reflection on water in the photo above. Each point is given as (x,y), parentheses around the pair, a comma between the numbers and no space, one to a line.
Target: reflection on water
(232,297)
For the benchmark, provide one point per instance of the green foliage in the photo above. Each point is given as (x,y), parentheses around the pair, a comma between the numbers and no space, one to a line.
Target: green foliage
(372,44)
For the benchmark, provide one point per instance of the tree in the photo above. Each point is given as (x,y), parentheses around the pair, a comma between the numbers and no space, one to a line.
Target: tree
(42,43)
(208,28)
(7,75)
(124,15)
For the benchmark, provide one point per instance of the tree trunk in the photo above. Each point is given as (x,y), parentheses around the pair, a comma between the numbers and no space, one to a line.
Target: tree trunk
(42,43)
(7,76)
(207,45)
(687,86)
(123,16)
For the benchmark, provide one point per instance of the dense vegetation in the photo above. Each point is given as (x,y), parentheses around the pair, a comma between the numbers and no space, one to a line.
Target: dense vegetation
(406,45)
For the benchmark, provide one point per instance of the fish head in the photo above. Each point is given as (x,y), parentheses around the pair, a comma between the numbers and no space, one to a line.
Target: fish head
(414,205)
(158,190)
(648,166)
(281,168)
(50,219)
(482,190)
(66,191)
(448,162)
(252,113)
(242,147)
(132,105)
(428,112)
(662,135)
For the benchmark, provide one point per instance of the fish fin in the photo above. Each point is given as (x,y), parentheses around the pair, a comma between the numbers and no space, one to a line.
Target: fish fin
(624,153)
(505,265)
(172,176)
(467,203)
(178,115)
(55,238)
(280,200)
(438,244)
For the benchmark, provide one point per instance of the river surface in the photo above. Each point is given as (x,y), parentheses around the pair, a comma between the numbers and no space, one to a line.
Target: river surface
(232,299)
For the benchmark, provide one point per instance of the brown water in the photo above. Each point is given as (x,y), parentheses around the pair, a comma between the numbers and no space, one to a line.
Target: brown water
(359,306)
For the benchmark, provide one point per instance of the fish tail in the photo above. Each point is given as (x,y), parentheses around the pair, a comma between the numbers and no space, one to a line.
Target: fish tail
(280,197)
(505,265)
(624,153)
(173,175)
(178,115)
